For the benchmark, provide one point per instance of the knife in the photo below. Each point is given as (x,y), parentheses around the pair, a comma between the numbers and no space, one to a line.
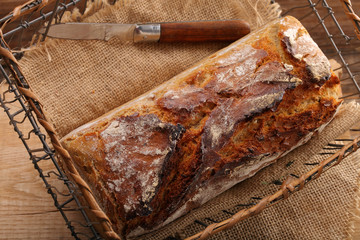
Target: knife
(195,31)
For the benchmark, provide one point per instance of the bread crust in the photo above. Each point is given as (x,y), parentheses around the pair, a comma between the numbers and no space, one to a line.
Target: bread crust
(172,149)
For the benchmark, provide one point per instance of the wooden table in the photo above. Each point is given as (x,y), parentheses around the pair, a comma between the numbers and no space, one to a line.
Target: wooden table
(26,210)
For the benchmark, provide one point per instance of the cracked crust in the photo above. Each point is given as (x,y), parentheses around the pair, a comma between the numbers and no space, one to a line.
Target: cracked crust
(172,149)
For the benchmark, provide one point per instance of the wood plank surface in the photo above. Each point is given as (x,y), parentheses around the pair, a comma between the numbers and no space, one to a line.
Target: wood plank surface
(26,210)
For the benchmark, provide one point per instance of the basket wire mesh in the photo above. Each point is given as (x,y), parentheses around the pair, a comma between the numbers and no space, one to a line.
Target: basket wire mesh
(64,192)
(20,28)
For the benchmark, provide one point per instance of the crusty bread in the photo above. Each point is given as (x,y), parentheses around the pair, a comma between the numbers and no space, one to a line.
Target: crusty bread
(174,148)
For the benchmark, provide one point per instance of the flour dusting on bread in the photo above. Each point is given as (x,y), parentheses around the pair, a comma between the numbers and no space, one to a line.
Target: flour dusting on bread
(168,151)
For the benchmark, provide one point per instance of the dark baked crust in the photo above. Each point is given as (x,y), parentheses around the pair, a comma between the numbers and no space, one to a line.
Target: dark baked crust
(169,151)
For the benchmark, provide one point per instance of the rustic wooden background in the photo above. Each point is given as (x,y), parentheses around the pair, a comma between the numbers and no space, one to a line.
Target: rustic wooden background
(27,211)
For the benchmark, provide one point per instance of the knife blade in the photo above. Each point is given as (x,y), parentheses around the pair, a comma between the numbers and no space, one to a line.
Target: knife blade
(195,31)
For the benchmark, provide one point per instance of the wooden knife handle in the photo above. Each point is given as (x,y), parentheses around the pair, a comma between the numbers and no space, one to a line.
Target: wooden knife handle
(203,31)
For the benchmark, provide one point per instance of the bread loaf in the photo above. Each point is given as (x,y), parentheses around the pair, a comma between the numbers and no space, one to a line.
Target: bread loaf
(172,149)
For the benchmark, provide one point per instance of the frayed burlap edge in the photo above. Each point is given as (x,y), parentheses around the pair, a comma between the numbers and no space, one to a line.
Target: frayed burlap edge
(96,10)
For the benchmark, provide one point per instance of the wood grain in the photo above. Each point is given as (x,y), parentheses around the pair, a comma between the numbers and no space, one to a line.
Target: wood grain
(8,5)
(28,212)
(230,30)
(26,209)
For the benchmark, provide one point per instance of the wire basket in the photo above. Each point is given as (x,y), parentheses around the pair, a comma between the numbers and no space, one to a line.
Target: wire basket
(21,24)
(24,21)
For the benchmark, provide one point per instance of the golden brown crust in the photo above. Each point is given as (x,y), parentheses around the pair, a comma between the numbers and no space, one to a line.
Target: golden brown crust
(159,156)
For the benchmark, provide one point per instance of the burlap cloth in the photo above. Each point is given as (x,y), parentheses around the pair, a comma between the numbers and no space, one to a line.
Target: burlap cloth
(78,81)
